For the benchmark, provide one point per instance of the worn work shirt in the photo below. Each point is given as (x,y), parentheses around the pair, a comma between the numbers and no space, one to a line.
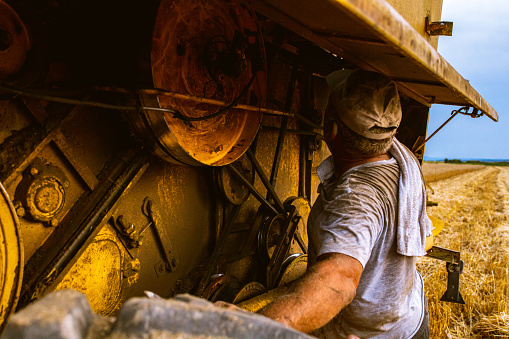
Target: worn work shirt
(356,215)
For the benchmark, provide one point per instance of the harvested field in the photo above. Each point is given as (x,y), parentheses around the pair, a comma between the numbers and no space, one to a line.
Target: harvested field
(474,207)
(439,171)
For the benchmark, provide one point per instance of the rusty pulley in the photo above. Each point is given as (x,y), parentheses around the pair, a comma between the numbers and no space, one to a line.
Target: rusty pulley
(14,41)
(211,49)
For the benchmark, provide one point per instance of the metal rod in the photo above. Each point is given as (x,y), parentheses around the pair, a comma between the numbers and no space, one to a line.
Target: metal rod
(258,168)
(79,102)
(252,189)
(294,131)
(161,92)
(438,129)
(88,103)
(282,131)
(277,154)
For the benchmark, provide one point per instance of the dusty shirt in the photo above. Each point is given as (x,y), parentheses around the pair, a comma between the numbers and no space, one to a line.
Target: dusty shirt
(356,215)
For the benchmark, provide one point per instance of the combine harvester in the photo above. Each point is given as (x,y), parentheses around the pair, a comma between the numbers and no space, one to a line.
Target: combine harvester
(171,146)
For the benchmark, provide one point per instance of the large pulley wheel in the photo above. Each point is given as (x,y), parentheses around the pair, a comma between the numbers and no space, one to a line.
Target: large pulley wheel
(209,49)
(230,186)
(14,42)
(272,227)
(11,258)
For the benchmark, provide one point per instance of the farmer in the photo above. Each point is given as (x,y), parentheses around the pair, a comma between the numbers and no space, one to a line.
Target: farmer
(367,227)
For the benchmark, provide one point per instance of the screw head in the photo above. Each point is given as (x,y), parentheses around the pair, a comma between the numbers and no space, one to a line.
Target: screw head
(34,171)
(20,211)
(54,222)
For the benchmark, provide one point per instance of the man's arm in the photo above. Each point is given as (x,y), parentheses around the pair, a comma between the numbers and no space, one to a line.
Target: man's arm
(313,300)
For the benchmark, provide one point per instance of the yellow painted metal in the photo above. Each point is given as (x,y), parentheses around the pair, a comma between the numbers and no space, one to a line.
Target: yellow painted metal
(372,34)
(11,258)
(259,302)
(294,269)
(437,224)
(303,209)
(415,13)
(98,273)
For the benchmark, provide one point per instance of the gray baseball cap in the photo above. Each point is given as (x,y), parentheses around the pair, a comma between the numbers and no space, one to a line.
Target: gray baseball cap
(366,102)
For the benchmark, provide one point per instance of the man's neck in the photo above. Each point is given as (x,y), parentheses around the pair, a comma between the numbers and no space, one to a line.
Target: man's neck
(343,165)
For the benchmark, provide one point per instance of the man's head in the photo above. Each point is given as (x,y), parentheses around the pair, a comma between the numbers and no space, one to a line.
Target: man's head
(364,111)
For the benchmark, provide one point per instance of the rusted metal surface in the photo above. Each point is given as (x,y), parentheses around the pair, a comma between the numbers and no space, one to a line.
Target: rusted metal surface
(439,27)
(346,28)
(201,100)
(215,51)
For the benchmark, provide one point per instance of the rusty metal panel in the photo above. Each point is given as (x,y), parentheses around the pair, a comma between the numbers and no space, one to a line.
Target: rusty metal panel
(375,36)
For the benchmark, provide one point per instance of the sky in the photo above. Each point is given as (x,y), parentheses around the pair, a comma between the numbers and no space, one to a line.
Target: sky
(479,50)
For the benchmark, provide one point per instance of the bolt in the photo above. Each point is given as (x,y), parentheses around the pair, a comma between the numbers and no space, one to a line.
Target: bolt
(34,171)
(66,184)
(54,222)
(135,265)
(20,211)
(5,40)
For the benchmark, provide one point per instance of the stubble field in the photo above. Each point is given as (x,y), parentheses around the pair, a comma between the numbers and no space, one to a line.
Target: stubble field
(474,208)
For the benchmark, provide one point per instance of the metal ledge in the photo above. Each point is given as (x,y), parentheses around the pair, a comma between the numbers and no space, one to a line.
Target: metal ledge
(376,37)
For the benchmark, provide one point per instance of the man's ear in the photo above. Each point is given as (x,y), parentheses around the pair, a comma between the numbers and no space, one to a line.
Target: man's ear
(330,126)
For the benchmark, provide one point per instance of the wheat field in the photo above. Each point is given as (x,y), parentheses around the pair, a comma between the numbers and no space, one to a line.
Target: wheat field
(440,171)
(474,208)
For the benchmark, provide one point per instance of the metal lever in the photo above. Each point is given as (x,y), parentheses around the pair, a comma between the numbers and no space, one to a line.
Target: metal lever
(170,260)
(454,268)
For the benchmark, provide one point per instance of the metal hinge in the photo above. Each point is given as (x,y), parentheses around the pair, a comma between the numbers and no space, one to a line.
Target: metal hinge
(454,268)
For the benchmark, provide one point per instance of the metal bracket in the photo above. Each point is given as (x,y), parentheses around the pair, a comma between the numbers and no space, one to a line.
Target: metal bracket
(453,279)
(454,268)
(438,27)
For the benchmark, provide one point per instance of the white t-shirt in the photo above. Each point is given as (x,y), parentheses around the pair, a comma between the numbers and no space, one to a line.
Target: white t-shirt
(356,215)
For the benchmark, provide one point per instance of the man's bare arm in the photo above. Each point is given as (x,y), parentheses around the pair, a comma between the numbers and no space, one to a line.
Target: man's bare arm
(313,300)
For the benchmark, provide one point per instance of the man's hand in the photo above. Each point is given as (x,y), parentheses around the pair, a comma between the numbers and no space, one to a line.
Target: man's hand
(313,300)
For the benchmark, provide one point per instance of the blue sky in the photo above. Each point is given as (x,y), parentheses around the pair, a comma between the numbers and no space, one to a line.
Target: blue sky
(479,51)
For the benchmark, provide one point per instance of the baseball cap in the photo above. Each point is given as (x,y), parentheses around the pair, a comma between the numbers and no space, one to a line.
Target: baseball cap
(365,100)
